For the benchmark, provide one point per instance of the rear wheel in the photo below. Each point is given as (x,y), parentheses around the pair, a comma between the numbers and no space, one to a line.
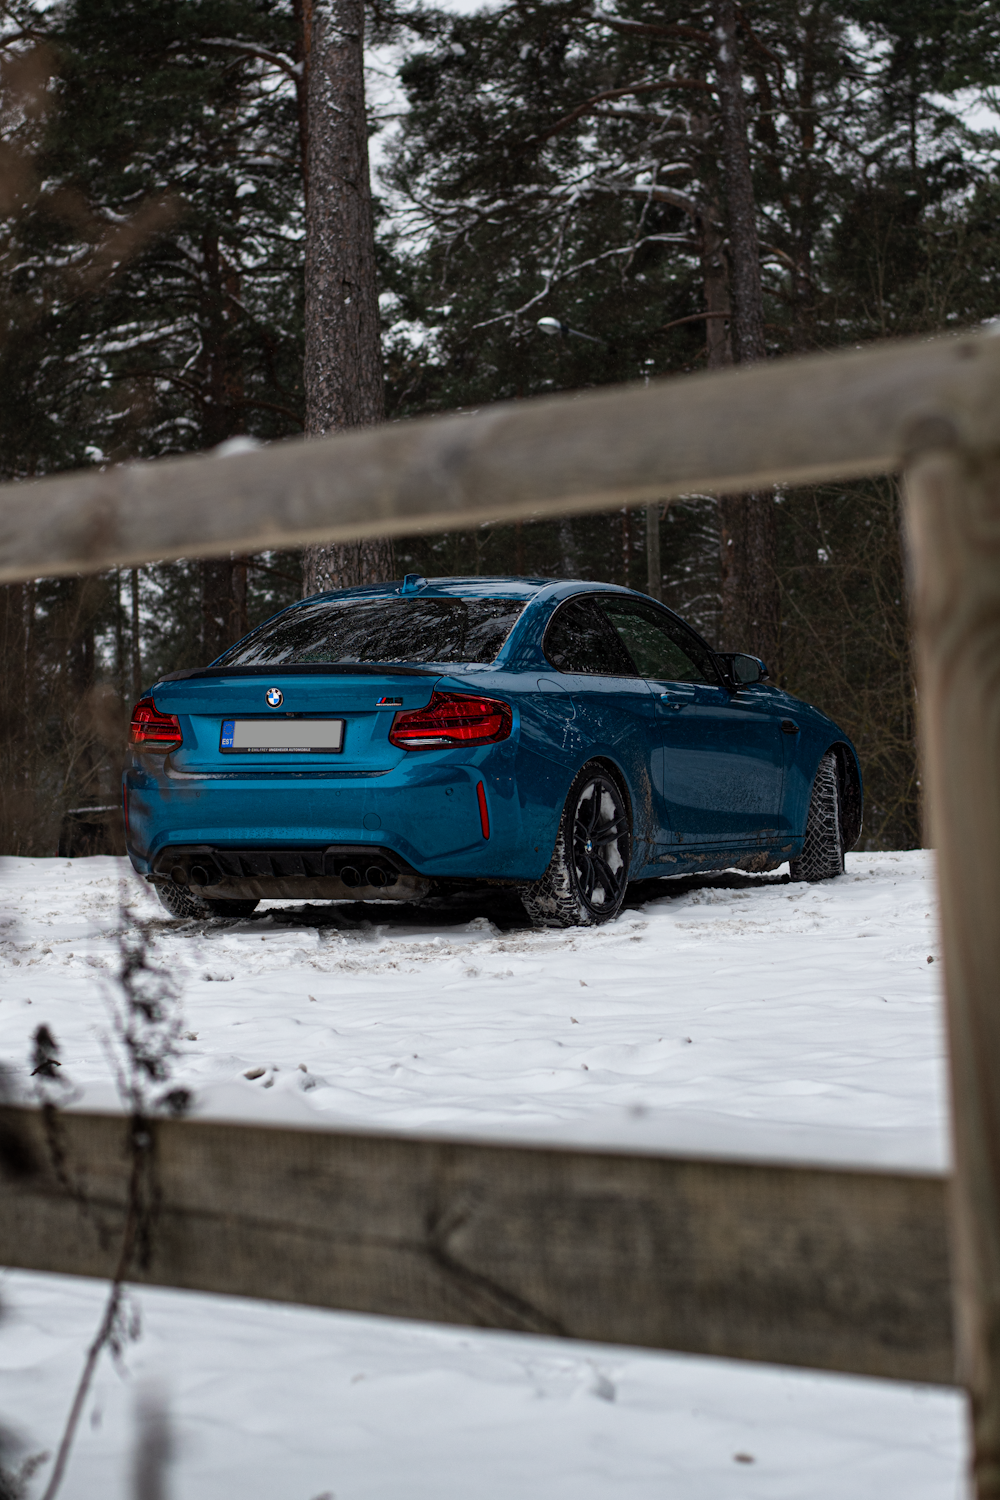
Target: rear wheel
(588,873)
(181,901)
(822,854)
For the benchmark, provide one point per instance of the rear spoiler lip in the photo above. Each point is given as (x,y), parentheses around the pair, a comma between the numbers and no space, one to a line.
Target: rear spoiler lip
(306,669)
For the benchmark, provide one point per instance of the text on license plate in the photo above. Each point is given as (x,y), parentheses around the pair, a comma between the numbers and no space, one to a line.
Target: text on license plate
(282,736)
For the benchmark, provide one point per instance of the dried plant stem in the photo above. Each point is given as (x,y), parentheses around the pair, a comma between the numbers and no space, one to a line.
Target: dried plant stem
(139,1144)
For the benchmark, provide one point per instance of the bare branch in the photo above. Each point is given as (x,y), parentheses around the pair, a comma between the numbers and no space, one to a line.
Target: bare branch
(574,270)
(632,88)
(699,317)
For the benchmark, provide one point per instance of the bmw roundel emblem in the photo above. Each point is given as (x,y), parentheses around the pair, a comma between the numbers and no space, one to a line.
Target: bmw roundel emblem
(275,697)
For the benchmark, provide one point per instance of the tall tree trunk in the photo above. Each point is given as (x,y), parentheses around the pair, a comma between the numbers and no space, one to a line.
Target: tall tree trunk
(135,637)
(751,602)
(223,580)
(654,567)
(343,364)
(744,254)
(239,622)
(715,279)
(14,807)
(81,763)
(216,593)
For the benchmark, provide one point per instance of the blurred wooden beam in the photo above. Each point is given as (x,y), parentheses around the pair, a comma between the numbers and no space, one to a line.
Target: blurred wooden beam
(832,1269)
(953,517)
(792,421)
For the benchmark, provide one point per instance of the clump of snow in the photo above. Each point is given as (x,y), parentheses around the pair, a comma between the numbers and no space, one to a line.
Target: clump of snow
(235,445)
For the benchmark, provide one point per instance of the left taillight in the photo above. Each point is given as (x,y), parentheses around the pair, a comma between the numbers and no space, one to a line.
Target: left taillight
(152,730)
(452,719)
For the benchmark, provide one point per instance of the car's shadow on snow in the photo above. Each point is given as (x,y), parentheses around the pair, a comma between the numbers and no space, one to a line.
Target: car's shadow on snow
(502,908)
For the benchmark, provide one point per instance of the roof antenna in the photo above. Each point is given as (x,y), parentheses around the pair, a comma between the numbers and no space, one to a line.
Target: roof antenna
(413,583)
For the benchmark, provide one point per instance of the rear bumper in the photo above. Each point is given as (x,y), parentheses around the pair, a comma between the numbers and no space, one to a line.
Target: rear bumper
(342,872)
(423,813)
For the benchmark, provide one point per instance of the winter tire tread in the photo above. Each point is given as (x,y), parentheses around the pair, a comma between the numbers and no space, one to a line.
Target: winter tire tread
(182,902)
(822,856)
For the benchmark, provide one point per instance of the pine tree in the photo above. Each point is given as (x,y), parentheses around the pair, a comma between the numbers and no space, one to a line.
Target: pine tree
(616,152)
(876,209)
(197,114)
(150,296)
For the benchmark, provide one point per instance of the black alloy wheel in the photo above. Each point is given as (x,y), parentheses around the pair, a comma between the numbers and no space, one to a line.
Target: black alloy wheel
(587,876)
(600,862)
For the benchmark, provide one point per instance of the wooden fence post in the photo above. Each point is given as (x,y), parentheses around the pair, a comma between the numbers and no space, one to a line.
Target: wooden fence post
(953,517)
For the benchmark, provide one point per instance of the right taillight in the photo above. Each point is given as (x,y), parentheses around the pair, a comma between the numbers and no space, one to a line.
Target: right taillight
(152,730)
(452,719)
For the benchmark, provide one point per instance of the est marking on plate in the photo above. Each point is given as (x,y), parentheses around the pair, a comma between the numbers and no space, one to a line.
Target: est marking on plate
(282,736)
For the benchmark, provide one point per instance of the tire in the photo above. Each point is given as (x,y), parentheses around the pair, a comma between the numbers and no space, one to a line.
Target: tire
(822,855)
(587,876)
(182,902)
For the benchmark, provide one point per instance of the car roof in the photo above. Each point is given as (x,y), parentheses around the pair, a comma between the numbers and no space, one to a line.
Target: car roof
(546,592)
(473,588)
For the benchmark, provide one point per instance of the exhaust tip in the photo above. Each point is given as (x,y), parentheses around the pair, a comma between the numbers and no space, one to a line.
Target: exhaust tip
(375,875)
(199,875)
(350,876)
(179,875)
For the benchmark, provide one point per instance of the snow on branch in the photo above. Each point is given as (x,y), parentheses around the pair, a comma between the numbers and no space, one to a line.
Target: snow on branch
(554,279)
(655,28)
(631,88)
(683,201)
(253,49)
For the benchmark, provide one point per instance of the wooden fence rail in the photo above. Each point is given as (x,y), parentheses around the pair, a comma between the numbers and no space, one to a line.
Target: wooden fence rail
(829,417)
(929,409)
(838,1270)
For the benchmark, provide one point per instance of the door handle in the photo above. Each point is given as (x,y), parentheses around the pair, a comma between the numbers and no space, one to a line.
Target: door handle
(789,726)
(669,702)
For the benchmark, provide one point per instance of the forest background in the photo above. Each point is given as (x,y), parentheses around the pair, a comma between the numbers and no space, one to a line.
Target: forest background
(546,158)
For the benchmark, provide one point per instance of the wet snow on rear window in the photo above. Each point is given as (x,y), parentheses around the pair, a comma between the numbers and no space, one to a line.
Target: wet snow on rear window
(380,630)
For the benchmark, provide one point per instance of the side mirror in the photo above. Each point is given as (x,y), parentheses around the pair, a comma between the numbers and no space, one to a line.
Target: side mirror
(741,669)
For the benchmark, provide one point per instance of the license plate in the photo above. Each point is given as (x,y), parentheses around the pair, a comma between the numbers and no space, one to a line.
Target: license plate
(282,736)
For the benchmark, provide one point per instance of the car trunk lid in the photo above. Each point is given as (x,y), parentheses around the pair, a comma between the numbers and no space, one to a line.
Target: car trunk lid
(366,701)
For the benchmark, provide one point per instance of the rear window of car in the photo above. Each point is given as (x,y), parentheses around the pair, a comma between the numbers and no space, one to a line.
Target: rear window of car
(380,630)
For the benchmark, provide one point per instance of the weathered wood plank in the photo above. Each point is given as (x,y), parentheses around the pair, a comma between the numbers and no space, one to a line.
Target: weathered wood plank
(839,1270)
(831,416)
(954,524)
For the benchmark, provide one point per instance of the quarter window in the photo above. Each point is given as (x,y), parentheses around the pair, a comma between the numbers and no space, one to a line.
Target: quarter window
(580,639)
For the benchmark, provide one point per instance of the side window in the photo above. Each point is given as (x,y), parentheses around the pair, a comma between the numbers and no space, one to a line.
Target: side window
(660,646)
(579,639)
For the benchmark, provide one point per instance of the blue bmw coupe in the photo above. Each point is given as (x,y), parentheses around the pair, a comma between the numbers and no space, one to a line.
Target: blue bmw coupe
(403,741)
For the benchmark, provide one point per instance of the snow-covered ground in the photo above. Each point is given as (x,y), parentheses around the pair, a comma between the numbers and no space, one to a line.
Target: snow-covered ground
(786,1021)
